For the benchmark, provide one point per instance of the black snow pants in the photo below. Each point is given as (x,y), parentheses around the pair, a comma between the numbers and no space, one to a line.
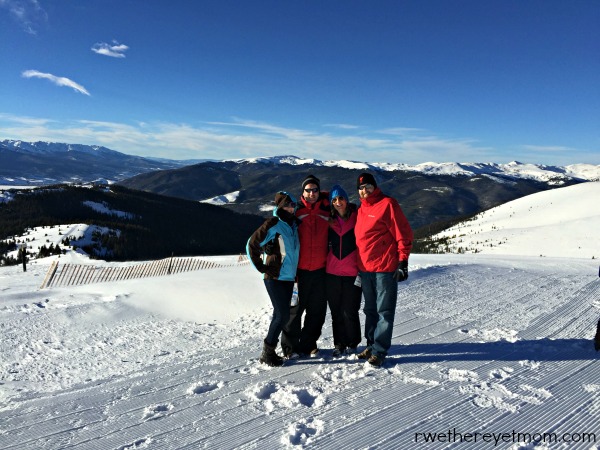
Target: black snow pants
(344,303)
(298,337)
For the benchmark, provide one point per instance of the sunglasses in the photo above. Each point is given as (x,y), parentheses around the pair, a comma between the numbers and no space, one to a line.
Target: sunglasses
(338,200)
(311,190)
(365,186)
(290,205)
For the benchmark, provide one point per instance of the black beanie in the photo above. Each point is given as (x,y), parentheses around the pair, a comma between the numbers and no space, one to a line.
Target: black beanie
(311,179)
(365,178)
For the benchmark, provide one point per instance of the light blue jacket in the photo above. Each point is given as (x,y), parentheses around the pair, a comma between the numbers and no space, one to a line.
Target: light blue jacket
(286,248)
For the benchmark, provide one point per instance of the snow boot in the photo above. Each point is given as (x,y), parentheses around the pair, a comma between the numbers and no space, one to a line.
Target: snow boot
(365,354)
(376,360)
(269,357)
(339,350)
(597,338)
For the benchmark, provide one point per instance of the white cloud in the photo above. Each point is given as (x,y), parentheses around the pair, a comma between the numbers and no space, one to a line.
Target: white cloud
(241,138)
(28,13)
(59,81)
(342,126)
(401,131)
(114,50)
(30,122)
(236,139)
(547,148)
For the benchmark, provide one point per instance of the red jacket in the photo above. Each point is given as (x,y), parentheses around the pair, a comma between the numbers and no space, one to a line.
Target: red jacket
(342,256)
(313,232)
(383,235)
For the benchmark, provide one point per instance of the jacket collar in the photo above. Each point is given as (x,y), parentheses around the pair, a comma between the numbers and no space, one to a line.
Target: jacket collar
(376,196)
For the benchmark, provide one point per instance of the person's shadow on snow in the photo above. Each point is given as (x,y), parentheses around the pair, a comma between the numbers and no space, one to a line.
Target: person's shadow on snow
(533,350)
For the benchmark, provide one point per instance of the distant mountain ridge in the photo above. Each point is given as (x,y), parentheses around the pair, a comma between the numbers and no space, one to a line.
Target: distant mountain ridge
(45,163)
(429,195)
(514,169)
(41,147)
(104,157)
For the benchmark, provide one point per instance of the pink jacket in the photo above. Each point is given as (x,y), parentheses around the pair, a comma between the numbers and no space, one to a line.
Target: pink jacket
(342,255)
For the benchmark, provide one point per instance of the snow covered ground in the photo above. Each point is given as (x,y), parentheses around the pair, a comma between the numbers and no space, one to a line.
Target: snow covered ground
(561,222)
(489,351)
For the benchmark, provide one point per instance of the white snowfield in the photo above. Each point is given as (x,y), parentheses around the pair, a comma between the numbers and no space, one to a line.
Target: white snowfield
(560,222)
(489,351)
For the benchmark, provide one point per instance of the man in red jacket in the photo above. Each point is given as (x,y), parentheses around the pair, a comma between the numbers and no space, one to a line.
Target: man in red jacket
(313,211)
(384,240)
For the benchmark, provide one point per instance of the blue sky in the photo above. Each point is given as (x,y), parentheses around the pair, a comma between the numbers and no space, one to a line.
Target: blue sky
(377,81)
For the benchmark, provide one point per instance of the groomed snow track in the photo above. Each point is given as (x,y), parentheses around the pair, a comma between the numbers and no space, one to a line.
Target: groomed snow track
(493,347)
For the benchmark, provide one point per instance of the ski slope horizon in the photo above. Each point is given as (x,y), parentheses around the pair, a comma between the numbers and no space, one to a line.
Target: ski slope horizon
(489,351)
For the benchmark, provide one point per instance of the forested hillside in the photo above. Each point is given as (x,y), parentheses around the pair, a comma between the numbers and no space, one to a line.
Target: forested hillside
(151,226)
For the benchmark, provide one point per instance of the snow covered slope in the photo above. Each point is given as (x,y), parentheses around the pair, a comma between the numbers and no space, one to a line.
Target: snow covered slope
(561,222)
(489,351)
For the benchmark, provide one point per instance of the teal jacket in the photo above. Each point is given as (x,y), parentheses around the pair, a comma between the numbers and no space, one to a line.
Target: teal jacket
(283,248)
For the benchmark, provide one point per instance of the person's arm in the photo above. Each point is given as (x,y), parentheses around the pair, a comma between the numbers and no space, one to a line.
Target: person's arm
(255,243)
(401,230)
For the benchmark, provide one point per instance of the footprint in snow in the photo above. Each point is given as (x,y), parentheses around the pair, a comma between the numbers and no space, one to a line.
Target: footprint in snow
(156,411)
(265,391)
(140,443)
(301,433)
(270,396)
(533,365)
(492,393)
(202,388)
(247,370)
(501,374)
(460,375)
(338,376)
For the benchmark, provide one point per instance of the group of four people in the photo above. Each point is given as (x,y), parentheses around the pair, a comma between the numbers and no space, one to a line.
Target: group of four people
(326,244)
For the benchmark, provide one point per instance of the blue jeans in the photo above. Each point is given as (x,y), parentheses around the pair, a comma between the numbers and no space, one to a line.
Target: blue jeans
(280,293)
(381,293)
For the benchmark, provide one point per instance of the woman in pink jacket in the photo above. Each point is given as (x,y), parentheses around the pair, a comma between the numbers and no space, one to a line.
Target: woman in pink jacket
(343,296)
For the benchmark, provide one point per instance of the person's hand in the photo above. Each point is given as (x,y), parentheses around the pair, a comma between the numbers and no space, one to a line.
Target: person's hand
(401,272)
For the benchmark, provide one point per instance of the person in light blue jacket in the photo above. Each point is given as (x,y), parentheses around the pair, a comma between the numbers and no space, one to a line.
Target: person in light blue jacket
(274,249)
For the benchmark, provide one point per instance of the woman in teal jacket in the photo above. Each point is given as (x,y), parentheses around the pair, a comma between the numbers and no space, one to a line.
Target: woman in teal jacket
(274,249)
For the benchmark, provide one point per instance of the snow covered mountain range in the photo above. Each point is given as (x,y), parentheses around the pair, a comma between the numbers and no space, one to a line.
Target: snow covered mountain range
(9,149)
(514,169)
(429,192)
(46,163)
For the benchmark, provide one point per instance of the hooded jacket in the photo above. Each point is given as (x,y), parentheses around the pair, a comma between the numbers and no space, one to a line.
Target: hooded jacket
(383,235)
(313,230)
(284,246)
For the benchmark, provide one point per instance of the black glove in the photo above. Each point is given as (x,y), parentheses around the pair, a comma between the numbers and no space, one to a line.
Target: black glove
(401,272)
